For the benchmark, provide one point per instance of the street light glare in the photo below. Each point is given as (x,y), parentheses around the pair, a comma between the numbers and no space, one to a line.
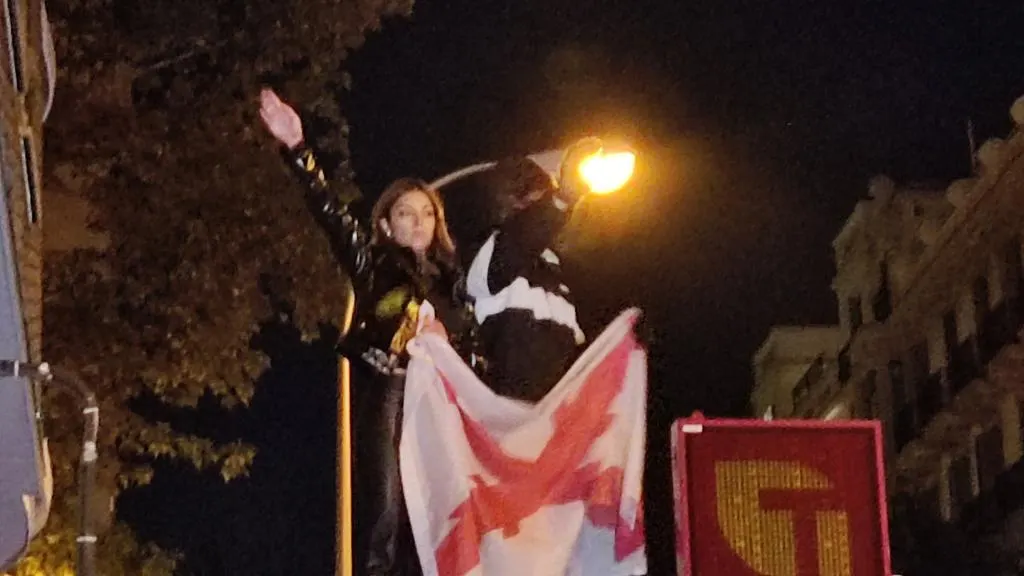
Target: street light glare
(606,172)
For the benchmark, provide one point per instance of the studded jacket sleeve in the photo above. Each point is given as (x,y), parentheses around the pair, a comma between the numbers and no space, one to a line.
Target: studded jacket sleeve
(349,240)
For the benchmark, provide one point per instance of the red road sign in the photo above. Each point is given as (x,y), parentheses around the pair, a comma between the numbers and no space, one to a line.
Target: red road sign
(781,498)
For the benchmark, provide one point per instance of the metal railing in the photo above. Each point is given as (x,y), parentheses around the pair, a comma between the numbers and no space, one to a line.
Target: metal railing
(67,382)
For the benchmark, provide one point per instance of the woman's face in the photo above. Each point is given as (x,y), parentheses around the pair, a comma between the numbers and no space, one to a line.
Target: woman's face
(412,220)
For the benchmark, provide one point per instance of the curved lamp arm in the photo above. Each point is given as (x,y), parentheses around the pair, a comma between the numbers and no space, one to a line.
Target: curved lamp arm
(605,171)
(550,161)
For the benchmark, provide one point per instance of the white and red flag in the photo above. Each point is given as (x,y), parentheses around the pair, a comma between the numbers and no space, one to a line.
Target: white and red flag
(497,487)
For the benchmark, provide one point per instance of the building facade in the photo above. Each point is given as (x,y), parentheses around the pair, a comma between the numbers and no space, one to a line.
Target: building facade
(930,286)
(26,82)
(27,74)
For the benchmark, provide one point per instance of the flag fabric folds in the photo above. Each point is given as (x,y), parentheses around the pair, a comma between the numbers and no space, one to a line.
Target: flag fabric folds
(497,487)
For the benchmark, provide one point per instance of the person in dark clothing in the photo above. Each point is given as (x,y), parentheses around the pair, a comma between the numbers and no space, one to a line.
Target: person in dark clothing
(406,258)
(528,327)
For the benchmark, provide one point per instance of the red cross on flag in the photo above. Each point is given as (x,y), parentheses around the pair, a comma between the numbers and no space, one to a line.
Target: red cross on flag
(497,487)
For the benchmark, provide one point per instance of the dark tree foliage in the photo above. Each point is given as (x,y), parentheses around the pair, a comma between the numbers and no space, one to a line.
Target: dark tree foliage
(156,125)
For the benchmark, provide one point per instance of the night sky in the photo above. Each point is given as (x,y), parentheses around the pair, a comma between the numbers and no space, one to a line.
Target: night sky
(759,125)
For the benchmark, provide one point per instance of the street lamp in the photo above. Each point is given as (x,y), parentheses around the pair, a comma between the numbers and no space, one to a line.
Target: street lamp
(606,170)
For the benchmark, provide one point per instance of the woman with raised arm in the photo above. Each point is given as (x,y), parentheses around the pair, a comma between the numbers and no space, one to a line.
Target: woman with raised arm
(406,257)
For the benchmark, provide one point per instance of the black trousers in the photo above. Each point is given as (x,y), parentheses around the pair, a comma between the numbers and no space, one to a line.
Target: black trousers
(525,357)
(383,538)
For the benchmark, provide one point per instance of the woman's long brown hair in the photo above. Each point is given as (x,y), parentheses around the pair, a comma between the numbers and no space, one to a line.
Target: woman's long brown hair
(442,247)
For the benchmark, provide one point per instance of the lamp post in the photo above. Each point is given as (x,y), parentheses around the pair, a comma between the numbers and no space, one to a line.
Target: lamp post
(344,508)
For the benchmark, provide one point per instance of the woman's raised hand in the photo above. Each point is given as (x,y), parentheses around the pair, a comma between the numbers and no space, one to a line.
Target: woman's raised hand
(280,119)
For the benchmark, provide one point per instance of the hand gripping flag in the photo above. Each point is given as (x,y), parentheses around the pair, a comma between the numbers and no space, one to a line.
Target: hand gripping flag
(497,487)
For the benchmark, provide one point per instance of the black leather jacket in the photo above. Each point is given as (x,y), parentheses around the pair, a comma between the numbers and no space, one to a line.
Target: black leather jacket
(388,284)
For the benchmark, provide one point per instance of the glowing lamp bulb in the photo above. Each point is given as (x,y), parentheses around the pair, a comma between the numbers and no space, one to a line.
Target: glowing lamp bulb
(606,172)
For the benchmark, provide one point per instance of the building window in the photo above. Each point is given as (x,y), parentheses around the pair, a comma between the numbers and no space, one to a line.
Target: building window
(960,361)
(899,389)
(928,502)
(980,295)
(949,332)
(856,314)
(925,391)
(961,490)
(929,398)
(989,448)
(882,304)
(13,32)
(903,430)
(1002,322)
(1014,268)
(982,328)
(903,411)
(867,397)
(920,365)
(31,189)
(844,366)
(904,426)
(1020,422)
